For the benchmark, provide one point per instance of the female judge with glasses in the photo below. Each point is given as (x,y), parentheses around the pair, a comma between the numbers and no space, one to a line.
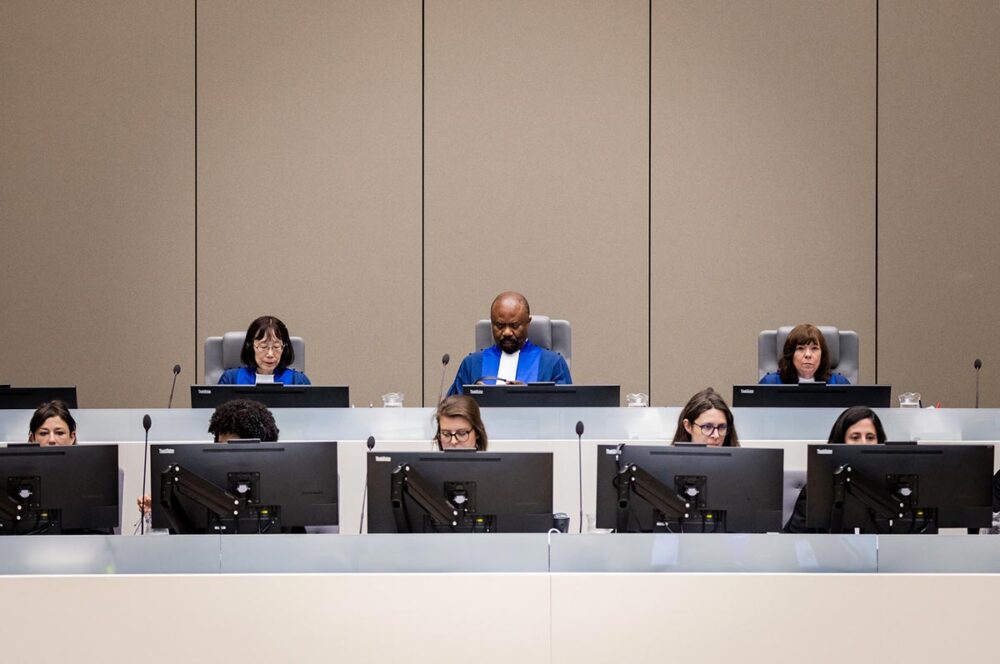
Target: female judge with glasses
(459,426)
(706,420)
(267,352)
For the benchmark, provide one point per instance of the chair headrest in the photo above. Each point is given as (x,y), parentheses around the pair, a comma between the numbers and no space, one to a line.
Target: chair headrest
(232,346)
(831,335)
(540,331)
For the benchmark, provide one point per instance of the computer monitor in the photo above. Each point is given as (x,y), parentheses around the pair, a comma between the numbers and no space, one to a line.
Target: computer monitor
(243,487)
(272,395)
(689,489)
(535,395)
(30,398)
(899,488)
(69,489)
(459,491)
(811,395)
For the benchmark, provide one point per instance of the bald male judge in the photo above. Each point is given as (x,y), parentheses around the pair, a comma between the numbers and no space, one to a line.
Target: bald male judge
(512,359)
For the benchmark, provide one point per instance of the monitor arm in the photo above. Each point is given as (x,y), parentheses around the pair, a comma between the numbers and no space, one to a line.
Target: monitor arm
(871,495)
(407,481)
(177,480)
(634,479)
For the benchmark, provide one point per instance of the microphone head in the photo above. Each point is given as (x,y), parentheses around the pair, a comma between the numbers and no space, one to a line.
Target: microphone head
(371,443)
(445,359)
(147,422)
(579,428)
(977,364)
(177,369)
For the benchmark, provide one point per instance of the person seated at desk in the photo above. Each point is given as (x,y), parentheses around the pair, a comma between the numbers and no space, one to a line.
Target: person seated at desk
(512,360)
(706,420)
(243,419)
(239,419)
(857,425)
(459,425)
(52,424)
(804,359)
(267,352)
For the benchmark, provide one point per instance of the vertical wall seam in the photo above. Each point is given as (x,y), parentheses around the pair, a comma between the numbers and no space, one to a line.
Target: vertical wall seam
(877,11)
(423,206)
(194,378)
(649,209)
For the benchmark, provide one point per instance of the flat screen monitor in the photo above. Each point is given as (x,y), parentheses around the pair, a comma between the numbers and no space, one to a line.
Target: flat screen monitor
(58,489)
(272,395)
(30,398)
(545,395)
(459,491)
(811,395)
(243,487)
(899,488)
(689,488)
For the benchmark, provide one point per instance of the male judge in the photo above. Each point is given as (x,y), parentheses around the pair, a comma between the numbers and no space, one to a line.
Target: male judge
(512,359)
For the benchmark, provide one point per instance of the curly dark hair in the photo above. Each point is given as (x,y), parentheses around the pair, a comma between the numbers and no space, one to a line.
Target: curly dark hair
(243,418)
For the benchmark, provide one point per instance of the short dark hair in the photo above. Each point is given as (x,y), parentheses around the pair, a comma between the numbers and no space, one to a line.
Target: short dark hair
(707,399)
(460,405)
(803,334)
(51,409)
(258,330)
(244,418)
(849,418)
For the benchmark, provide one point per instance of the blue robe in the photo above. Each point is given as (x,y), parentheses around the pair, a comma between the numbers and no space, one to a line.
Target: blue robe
(774,378)
(534,365)
(245,376)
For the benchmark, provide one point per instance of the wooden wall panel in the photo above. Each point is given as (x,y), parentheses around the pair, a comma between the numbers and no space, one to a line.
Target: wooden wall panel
(763,183)
(309,182)
(97,197)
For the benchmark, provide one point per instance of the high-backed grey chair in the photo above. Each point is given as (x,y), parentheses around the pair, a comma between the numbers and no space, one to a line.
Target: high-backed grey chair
(793,483)
(550,334)
(223,353)
(841,345)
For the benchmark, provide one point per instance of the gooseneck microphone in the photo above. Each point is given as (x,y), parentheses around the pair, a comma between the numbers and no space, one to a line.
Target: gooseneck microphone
(177,370)
(147,422)
(445,359)
(977,365)
(364,496)
(579,464)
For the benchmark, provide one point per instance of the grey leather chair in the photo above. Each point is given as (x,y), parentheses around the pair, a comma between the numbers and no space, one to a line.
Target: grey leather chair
(793,483)
(841,345)
(223,353)
(550,334)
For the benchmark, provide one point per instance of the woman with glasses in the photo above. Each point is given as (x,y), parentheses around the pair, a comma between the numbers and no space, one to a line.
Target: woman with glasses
(706,420)
(459,426)
(267,352)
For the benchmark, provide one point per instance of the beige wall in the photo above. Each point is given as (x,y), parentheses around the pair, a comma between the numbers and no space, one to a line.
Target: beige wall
(97,197)
(536,174)
(939,198)
(309,182)
(374,174)
(763,173)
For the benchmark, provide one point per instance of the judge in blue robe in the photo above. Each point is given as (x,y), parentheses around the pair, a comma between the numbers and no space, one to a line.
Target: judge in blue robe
(510,317)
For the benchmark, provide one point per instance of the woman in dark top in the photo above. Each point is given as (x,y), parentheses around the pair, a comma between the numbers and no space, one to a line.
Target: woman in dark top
(857,425)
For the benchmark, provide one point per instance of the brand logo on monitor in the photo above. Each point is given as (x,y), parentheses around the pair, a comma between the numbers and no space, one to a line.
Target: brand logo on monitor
(383,459)
(165,450)
(744,390)
(475,391)
(204,391)
(824,451)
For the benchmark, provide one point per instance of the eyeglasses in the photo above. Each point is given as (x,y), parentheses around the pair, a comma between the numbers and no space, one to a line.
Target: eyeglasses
(707,429)
(277,347)
(460,435)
